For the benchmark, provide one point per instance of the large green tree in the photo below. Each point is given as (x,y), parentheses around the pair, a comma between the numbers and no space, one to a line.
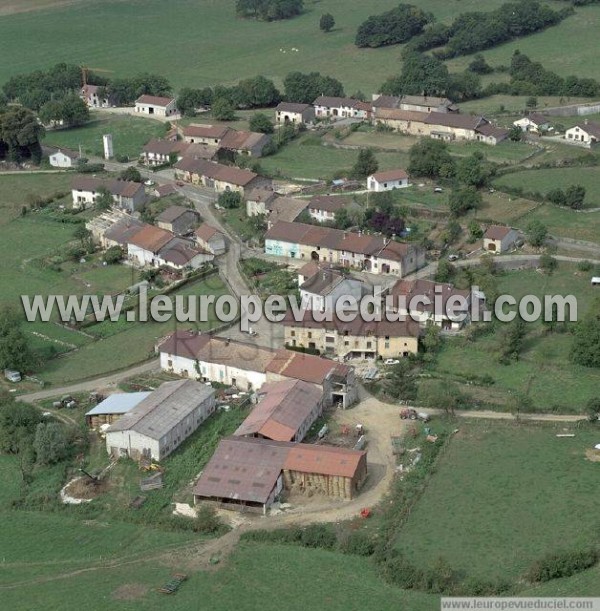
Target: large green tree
(15,352)
(305,88)
(18,422)
(50,443)
(21,133)
(430,158)
(586,342)
(366,164)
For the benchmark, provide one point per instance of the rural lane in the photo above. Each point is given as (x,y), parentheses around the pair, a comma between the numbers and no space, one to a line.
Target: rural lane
(108,381)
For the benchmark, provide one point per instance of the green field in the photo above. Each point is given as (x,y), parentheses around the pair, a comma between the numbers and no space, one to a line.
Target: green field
(18,190)
(543,181)
(191,58)
(122,344)
(543,370)
(504,495)
(505,105)
(129,134)
(567,48)
(307,157)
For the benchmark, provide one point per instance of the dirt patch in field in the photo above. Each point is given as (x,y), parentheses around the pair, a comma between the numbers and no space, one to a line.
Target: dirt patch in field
(593,455)
(130,591)
(85,488)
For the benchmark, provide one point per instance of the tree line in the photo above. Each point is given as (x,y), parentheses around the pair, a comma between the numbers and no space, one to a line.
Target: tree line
(476,31)
(269,10)
(392,27)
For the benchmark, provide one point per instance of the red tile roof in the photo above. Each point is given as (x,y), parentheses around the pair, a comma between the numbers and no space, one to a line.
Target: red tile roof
(215,132)
(329,203)
(205,232)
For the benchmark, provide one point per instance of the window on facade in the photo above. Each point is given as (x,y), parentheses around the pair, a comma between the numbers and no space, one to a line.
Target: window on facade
(293,333)
(369,344)
(387,344)
(309,335)
(330,340)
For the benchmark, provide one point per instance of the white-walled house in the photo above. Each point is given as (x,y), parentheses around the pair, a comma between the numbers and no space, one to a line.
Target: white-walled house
(291,112)
(215,359)
(323,208)
(341,108)
(161,422)
(534,122)
(587,134)
(210,239)
(63,159)
(157,106)
(128,195)
(388,180)
(498,238)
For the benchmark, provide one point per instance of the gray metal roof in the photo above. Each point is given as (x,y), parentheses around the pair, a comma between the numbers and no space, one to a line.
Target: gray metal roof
(168,405)
(119,403)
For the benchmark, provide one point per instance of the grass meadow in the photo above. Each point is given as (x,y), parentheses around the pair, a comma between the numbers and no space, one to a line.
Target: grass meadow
(545,180)
(544,370)
(129,134)
(503,495)
(170,38)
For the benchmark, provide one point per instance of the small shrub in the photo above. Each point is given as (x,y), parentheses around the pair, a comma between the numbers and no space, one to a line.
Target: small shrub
(358,543)
(584,266)
(318,535)
(561,564)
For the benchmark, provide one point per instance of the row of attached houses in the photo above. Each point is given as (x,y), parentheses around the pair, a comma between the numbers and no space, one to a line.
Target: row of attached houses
(248,367)
(128,195)
(147,245)
(343,107)
(447,126)
(356,339)
(372,253)
(216,176)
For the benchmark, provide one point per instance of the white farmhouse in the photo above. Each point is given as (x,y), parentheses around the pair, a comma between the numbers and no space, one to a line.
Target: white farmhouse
(215,359)
(63,158)
(161,422)
(534,122)
(156,106)
(587,134)
(387,181)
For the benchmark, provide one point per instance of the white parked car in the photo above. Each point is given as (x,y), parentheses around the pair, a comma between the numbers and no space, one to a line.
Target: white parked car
(149,183)
(391,362)
(12,376)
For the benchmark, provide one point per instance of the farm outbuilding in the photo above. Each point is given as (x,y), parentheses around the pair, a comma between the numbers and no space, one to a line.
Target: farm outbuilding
(162,421)
(248,474)
(113,407)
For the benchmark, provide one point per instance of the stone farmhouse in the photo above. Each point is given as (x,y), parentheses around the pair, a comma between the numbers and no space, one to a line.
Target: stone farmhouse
(178,219)
(356,339)
(327,107)
(413,103)
(498,239)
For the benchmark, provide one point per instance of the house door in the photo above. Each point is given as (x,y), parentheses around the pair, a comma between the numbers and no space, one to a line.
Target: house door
(314,255)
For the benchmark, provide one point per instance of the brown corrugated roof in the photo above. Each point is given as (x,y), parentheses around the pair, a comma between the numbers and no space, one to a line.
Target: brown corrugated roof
(216,171)
(390,175)
(591,128)
(324,460)
(281,410)
(242,469)
(322,283)
(165,147)
(260,194)
(491,130)
(286,208)
(123,230)
(151,238)
(306,367)
(246,469)
(154,100)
